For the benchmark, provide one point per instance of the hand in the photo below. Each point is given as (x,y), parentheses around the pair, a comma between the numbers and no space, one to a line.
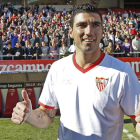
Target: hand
(137,113)
(23,109)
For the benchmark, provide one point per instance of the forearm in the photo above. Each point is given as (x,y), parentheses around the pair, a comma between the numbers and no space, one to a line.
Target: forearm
(39,119)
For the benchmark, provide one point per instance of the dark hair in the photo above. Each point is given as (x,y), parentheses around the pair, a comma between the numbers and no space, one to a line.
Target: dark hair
(83,8)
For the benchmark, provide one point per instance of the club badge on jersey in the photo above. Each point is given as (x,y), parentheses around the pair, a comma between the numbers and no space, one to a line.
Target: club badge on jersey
(101,83)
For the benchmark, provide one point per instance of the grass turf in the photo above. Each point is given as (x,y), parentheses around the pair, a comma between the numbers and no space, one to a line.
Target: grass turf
(11,131)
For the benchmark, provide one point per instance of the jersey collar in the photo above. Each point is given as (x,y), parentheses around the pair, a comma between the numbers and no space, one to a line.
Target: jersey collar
(91,66)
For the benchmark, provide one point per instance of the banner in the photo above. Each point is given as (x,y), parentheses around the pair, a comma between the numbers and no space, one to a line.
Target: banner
(134,62)
(11,85)
(16,66)
(34,84)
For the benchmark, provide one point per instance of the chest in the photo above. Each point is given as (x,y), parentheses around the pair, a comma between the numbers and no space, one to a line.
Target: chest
(97,91)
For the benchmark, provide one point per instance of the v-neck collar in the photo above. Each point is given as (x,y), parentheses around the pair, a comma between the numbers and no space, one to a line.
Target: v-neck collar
(91,66)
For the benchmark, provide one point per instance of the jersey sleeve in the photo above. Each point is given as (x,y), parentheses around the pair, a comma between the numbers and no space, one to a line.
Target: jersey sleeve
(48,98)
(130,99)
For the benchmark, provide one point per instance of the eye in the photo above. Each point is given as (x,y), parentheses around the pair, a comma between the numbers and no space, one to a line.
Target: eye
(82,25)
(96,25)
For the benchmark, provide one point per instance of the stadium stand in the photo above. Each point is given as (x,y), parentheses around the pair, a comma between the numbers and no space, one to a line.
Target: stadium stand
(11,100)
(31,94)
(31,34)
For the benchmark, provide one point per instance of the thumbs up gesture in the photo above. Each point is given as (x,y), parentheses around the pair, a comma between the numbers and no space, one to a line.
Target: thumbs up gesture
(23,109)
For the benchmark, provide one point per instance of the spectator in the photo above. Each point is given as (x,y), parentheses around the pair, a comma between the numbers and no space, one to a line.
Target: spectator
(132,36)
(72,48)
(32,40)
(117,50)
(127,48)
(64,50)
(29,52)
(110,49)
(21,41)
(45,50)
(14,39)
(111,36)
(37,51)
(54,51)
(18,52)
(117,38)
(136,46)
(106,40)
(8,52)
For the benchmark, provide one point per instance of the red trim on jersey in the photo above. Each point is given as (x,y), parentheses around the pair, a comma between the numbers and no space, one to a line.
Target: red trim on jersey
(132,116)
(48,107)
(91,66)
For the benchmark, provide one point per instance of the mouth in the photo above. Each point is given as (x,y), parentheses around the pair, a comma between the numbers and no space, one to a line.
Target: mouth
(89,40)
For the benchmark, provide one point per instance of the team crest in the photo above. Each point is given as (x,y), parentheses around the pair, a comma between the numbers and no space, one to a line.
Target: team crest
(101,83)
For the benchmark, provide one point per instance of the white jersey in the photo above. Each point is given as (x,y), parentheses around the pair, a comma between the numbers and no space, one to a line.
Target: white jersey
(92,101)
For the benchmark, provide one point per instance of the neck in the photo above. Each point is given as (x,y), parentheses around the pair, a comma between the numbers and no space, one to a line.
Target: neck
(85,60)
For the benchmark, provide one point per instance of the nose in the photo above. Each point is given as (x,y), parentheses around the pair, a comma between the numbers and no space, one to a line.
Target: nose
(89,30)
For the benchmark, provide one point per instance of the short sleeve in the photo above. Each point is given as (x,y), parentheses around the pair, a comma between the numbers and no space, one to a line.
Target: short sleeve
(48,98)
(130,98)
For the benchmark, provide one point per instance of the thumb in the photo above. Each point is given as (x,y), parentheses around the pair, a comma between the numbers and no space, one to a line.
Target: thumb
(25,96)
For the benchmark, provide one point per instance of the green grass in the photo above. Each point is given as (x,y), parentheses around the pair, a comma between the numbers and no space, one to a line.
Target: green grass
(129,126)
(11,131)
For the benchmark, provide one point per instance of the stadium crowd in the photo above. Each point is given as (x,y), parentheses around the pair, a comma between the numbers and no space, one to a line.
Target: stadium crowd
(27,33)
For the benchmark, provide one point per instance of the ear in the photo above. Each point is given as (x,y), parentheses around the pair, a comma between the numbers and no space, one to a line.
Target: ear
(70,32)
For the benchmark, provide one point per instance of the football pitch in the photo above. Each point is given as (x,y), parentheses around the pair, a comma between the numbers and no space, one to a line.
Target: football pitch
(11,131)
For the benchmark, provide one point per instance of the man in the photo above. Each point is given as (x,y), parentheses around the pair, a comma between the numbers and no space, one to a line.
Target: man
(93,90)
(106,40)
(136,46)
(38,38)
(14,38)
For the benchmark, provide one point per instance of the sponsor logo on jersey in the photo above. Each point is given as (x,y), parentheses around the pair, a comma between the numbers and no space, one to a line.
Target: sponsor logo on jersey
(101,83)
(66,82)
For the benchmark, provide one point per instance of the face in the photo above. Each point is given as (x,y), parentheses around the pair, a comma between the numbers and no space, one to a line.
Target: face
(87,32)
(43,43)
(126,40)
(37,45)
(17,45)
(137,37)
(110,44)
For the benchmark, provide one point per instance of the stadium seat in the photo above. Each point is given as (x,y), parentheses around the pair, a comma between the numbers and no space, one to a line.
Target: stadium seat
(31,94)
(11,101)
(0,101)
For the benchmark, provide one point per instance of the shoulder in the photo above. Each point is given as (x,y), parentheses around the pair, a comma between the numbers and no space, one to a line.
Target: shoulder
(116,64)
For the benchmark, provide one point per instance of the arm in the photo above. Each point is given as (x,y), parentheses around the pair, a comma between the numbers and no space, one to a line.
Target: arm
(40,118)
